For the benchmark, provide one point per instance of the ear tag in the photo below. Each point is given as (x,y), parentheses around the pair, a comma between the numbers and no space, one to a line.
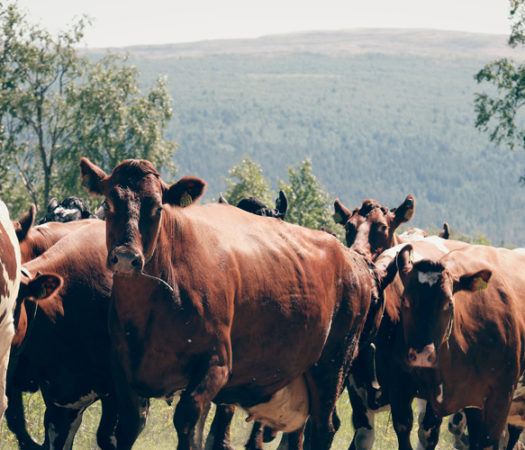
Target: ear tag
(409,213)
(43,292)
(185,200)
(480,284)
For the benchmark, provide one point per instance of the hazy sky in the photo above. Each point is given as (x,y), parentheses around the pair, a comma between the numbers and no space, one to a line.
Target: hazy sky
(130,22)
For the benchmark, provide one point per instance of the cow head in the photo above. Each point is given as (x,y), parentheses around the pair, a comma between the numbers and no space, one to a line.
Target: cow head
(69,209)
(134,199)
(427,308)
(257,207)
(371,229)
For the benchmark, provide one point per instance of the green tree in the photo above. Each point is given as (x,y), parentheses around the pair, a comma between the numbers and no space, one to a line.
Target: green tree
(112,121)
(246,180)
(309,204)
(56,106)
(498,112)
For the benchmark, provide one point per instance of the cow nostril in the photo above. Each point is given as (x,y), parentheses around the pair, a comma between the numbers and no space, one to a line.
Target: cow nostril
(432,358)
(412,355)
(136,262)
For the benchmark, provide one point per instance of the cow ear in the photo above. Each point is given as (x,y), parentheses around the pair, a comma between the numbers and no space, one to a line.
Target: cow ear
(385,275)
(92,177)
(405,259)
(281,204)
(445,234)
(222,199)
(53,203)
(42,286)
(473,282)
(25,223)
(184,192)
(405,211)
(342,214)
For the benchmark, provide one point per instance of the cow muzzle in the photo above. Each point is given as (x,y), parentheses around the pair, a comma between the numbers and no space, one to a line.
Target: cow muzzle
(427,357)
(123,260)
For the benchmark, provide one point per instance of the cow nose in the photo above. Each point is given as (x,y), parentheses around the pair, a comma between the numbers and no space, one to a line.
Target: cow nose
(123,260)
(425,358)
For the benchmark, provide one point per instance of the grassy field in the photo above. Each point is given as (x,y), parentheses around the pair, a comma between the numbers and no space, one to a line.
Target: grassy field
(159,433)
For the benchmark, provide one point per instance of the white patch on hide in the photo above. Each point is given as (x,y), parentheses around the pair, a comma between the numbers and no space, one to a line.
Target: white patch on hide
(286,411)
(82,402)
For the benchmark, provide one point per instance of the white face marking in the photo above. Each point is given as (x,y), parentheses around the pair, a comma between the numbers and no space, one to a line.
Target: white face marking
(430,278)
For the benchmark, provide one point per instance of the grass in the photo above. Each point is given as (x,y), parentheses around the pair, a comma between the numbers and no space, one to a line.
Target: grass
(159,433)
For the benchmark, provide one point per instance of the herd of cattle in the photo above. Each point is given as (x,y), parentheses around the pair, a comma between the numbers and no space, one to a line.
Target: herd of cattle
(236,306)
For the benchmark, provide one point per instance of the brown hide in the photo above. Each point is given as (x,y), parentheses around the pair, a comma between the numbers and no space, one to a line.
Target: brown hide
(479,363)
(263,299)
(36,240)
(260,283)
(69,339)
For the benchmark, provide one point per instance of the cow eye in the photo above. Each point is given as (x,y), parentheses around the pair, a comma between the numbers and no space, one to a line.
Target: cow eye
(158,211)
(405,302)
(448,305)
(382,228)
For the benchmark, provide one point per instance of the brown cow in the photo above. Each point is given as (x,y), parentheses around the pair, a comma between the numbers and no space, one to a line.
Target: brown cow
(370,230)
(36,240)
(463,326)
(62,342)
(226,305)
(9,284)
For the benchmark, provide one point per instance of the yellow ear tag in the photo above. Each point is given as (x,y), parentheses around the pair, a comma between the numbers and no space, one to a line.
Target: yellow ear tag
(185,200)
(411,256)
(409,213)
(480,284)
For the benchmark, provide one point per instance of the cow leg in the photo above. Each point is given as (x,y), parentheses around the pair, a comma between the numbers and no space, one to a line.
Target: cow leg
(198,435)
(428,432)
(132,409)
(194,400)
(362,417)
(106,438)
(514,435)
(402,417)
(474,425)
(457,425)
(61,425)
(325,382)
(16,419)
(219,435)
(483,433)
(255,442)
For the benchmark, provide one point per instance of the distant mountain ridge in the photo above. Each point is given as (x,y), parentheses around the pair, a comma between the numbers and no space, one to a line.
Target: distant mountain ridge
(438,44)
(381,113)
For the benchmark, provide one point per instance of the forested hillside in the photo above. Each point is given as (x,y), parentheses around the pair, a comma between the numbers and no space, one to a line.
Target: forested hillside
(380,114)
